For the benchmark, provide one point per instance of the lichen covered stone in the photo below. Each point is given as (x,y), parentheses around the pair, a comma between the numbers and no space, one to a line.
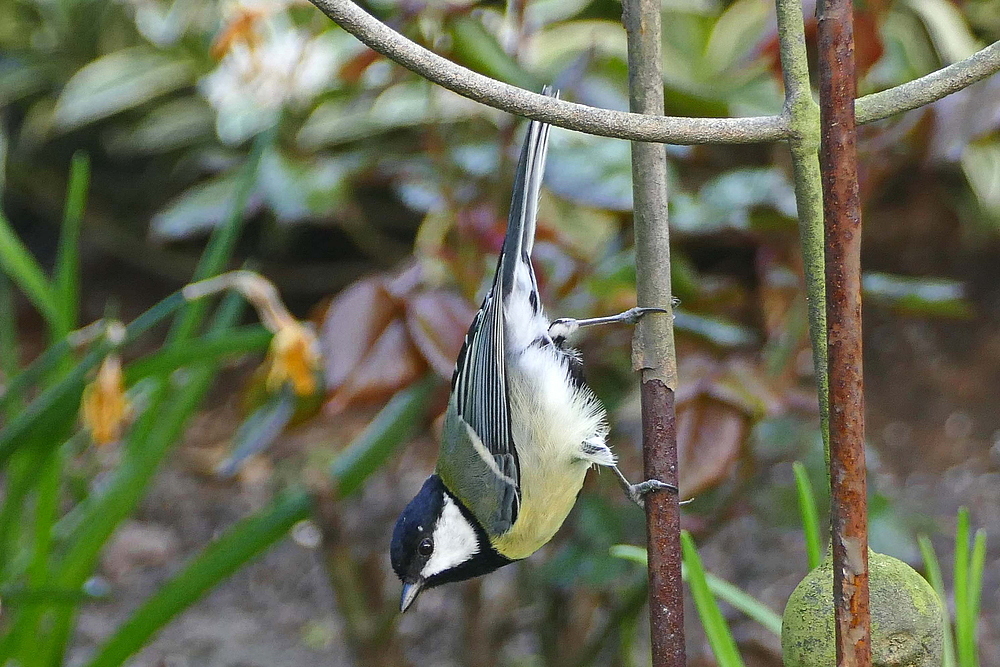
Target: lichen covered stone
(907,618)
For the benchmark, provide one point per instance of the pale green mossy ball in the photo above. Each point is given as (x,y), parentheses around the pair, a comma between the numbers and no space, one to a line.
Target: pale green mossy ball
(907,618)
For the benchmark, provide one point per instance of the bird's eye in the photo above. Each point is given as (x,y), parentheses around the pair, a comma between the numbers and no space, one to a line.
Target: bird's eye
(426,547)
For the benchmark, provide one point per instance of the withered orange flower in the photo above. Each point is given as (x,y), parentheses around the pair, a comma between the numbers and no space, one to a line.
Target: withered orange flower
(104,408)
(293,357)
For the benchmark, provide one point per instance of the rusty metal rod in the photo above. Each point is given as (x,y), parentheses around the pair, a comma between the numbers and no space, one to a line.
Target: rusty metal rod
(842,212)
(653,346)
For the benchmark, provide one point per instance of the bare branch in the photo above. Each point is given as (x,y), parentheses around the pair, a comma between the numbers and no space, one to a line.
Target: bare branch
(653,354)
(579,117)
(803,142)
(930,88)
(842,215)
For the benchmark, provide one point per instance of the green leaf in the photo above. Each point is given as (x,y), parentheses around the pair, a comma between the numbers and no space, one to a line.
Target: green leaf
(933,568)
(176,124)
(948,29)
(59,402)
(737,200)
(201,208)
(260,429)
(716,628)
(219,249)
(977,563)
(923,296)
(810,517)
(66,280)
(715,330)
(116,82)
(477,48)
(592,171)
(18,80)
(17,262)
(298,188)
(735,33)
(965,645)
(404,105)
(237,342)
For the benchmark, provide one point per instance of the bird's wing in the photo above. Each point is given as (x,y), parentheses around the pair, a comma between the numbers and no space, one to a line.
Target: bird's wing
(479,448)
(479,433)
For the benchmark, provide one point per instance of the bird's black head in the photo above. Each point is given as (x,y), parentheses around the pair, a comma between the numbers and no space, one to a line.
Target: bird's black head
(437,540)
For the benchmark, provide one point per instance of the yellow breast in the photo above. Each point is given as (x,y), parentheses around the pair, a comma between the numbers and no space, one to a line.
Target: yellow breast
(547,496)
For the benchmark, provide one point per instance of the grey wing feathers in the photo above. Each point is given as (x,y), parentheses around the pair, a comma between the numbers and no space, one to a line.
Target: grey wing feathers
(479,385)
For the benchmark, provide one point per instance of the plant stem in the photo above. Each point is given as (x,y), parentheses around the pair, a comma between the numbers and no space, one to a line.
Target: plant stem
(653,346)
(929,88)
(803,141)
(842,212)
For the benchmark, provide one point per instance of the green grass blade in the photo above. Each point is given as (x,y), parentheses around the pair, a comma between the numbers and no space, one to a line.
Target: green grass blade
(744,602)
(66,278)
(933,568)
(251,536)
(61,400)
(164,419)
(216,562)
(721,588)
(716,628)
(17,262)
(630,552)
(810,517)
(10,358)
(237,342)
(220,246)
(12,520)
(977,562)
(964,640)
(392,426)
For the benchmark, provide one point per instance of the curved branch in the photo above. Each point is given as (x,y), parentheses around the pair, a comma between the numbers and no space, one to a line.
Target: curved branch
(638,127)
(579,117)
(930,88)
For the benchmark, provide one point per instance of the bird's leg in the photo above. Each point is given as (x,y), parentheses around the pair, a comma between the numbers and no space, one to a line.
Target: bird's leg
(637,492)
(567,326)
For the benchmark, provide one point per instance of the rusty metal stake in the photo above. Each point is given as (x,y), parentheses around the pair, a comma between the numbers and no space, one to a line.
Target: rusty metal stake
(842,211)
(653,347)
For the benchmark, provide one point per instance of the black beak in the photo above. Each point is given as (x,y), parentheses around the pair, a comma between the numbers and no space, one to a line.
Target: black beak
(410,593)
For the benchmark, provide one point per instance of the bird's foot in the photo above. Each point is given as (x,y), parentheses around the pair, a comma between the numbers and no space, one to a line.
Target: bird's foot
(637,492)
(566,326)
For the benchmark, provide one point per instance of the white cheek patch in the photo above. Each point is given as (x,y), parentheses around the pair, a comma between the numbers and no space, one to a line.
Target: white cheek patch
(454,541)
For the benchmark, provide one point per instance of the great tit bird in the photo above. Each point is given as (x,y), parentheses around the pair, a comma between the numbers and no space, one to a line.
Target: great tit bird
(521,427)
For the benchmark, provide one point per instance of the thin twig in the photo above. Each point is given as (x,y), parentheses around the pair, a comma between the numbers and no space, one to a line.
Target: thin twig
(929,88)
(842,212)
(653,352)
(636,127)
(803,118)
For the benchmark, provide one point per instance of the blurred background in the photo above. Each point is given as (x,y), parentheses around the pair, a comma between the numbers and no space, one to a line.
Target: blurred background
(376,204)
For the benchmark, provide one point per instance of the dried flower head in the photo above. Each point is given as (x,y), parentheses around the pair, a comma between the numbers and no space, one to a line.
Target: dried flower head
(294,357)
(104,408)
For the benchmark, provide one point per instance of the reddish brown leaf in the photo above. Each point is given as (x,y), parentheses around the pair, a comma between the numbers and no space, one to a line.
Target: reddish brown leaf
(437,322)
(352,324)
(710,435)
(391,364)
(352,70)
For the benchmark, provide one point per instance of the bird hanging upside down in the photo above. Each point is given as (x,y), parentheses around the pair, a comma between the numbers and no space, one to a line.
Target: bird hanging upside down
(521,428)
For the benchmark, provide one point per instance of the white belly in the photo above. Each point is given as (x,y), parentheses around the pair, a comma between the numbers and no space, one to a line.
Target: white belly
(551,419)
